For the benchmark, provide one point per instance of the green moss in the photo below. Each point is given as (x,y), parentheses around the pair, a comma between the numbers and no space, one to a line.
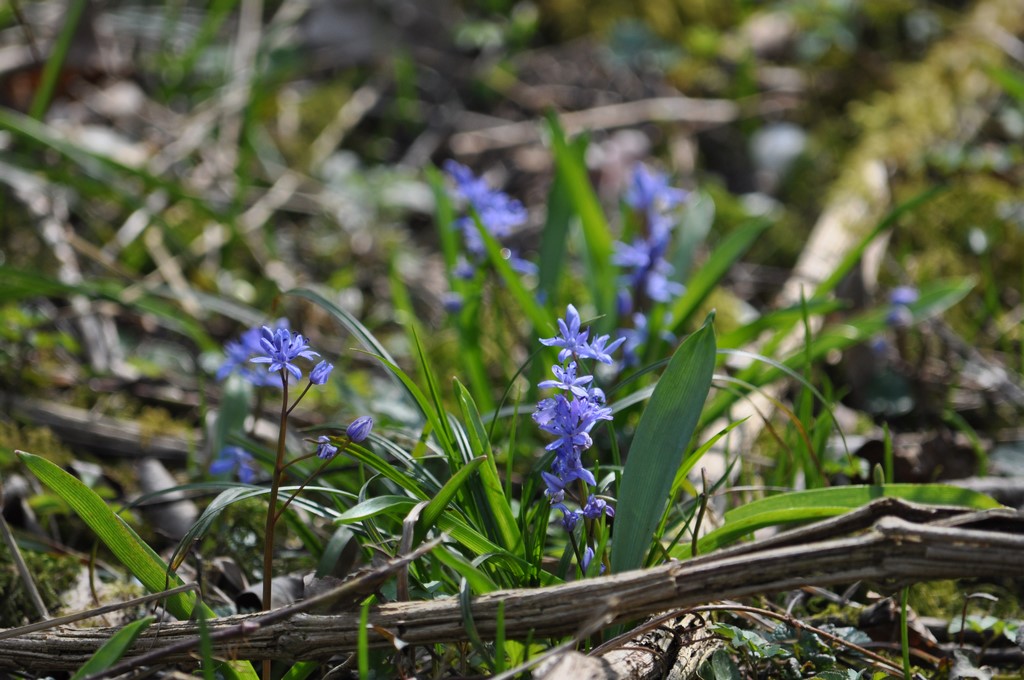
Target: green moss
(38,440)
(53,575)
(945,599)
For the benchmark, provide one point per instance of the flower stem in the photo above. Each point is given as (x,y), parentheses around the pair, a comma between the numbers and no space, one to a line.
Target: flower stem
(275,485)
(309,479)
(292,407)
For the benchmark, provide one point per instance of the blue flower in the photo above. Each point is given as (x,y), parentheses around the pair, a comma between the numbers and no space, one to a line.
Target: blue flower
(234,458)
(280,348)
(563,418)
(903,295)
(359,429)
(324,448)
(650,193)
(499,214)
(571,416)
(320,373)
(596,507)
(452,302)
(588,557)
(600,350)
(569,467)
(566,379)
(900,299)
(646,273)
(555,490)
(569,517)
(572,340)
(239,352)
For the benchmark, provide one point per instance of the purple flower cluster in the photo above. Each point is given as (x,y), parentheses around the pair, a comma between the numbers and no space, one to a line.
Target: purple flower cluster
(499,213)
(572,414)
(647,272)
(279,348)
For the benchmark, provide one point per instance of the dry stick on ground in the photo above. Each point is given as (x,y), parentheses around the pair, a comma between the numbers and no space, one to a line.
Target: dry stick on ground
(109,435)
(893,548)
(695,112)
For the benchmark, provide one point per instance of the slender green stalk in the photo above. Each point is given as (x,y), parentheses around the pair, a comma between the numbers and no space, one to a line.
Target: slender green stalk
(51,72)
(309,479)
(363,641)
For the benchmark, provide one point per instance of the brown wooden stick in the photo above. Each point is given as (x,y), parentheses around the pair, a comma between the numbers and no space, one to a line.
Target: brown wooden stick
(893,549)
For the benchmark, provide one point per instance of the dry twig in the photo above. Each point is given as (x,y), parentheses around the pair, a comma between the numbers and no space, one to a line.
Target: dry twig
(892,549)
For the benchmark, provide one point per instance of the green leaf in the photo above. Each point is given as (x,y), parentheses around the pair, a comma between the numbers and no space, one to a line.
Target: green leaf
(438,415)
(478,580)
(720,667)
(526,300)
(438,503)
(120,538)
(480,545)
(815,504)
(554,238)
(712,271)
(205,647)
(396,506)
(852,497)
(55,63)
(125,544)
(114,648)
(234,408)
(349,322)
(492,493)
(750,641)
(448,522)
(572,171)
(694,225)
(662,437)
(1011,82)
(301,670)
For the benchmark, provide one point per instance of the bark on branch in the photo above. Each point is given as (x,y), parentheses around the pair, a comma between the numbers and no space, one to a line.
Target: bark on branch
(904,543)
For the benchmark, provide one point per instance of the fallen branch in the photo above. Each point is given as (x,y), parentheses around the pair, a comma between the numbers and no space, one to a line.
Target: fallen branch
(894,548)
(698,113)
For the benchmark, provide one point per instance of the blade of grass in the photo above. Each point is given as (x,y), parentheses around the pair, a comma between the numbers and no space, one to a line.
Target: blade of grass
(439,502)
(554,238)
(478,580)
(526,300)
(805,506)
(449,522)
(492,495)
(54,65)
(114,648)
(573,172)
(711,272)
(120,538)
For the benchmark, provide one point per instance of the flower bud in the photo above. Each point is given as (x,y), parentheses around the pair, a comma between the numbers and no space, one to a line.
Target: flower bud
(324,448)
(360,428)
(320,373)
